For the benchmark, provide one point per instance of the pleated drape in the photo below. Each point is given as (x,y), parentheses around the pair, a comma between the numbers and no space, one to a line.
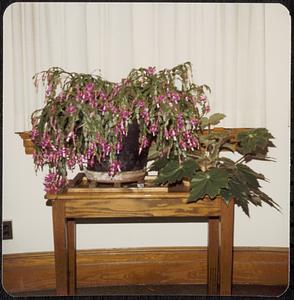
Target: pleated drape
(224,42)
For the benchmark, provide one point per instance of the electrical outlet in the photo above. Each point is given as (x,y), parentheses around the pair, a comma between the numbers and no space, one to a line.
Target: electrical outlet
(7,230)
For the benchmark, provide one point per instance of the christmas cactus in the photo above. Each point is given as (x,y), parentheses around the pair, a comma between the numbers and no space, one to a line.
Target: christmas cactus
(86,118)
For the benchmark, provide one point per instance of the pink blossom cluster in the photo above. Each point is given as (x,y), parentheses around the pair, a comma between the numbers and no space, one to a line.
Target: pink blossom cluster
(205,104)
(108,106)
(34,134)
(114,168)
(38,159)
(143,110)
(194,123)
(46,143)
(52,154)
(49,154)
(154,128)
(101,144)
(54,182)
(120,129)
(71,109)
(75,159)
(170,98)
(48,90)
(87,95)
(189,141)
(117,87)
(151,70)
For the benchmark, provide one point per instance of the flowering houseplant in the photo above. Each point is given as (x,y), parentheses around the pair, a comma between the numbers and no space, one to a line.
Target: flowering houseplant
(86,120)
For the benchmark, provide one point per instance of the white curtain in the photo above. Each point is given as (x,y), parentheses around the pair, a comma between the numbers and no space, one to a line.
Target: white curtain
(224,42)
(242,51)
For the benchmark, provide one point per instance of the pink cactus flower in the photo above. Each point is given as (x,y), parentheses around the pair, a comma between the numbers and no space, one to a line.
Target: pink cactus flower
(143,144)
(203,97)
(90,86)
(166,134)
(53,182)
(34,134)
(102,96)
(45,142)
(71,109)
(194,123)
(124,114)
(175,97)
(151,70)
(48,90)
(154,129)
(183,145)
(118,147)
(114,168)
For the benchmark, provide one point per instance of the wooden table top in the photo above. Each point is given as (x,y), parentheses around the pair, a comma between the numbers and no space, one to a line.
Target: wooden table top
(82,201)
(81,187)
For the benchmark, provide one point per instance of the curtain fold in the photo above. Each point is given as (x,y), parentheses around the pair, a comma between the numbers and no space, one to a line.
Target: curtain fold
(224,42)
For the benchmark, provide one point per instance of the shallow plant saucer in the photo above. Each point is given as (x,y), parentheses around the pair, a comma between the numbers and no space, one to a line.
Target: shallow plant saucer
(122,177)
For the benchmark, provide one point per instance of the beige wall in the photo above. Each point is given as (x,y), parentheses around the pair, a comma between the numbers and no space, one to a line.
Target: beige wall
(23,201)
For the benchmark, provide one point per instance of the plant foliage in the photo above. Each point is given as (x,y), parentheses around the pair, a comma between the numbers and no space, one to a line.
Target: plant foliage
(217,175)
(86,117)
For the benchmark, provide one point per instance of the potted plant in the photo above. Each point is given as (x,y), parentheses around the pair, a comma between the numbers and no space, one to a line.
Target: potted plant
(108,127)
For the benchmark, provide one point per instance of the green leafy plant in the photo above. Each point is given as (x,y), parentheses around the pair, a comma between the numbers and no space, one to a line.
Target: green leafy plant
(215,175)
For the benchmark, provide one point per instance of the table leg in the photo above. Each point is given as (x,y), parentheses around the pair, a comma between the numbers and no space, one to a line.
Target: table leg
(226,250)
(71,246)
(60,249)
(212,256)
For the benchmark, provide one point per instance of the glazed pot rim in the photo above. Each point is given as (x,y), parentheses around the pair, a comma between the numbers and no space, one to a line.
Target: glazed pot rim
(123,177)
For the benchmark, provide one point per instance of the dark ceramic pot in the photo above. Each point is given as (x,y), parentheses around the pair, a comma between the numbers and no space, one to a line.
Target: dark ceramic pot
(129,157)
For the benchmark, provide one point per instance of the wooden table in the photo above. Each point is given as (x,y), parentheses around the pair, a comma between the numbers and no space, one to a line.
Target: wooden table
(84,201)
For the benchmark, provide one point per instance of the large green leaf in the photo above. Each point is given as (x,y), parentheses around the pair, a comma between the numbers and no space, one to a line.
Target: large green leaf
(243,186)
(174,172)
(227,163)
(249,176)
(254,141)
(204,122)
(226,195)
(260,196)
(208,183)
(216,118)
(212,120)
(190,166)
(240,193)
(261,155)
(159,164)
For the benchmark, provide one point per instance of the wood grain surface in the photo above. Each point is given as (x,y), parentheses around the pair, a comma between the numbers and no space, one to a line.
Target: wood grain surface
(168,265)
(140,207)
(71,242)
(213,255)
(226,247)
(60,247)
